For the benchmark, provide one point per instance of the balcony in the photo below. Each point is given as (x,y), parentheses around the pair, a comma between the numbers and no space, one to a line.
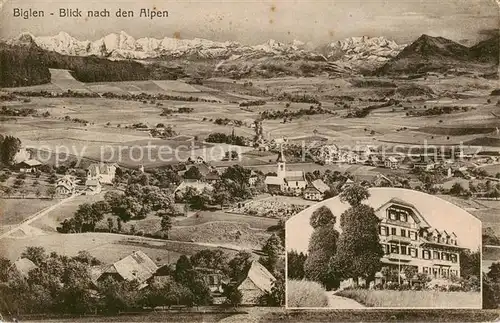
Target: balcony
(441,262)
(401,223)
(434,243)
(398,239)
(398,257)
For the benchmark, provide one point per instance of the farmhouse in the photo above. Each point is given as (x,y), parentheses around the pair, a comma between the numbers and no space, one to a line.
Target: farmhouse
(92,187)
(199,186)
(257,282)
(66,185)
(286,181)
(315,191)
(104,173)
(137,266)
(391,162)
(28,166)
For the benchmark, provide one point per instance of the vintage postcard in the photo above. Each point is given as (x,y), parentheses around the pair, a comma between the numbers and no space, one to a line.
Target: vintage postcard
(249,161)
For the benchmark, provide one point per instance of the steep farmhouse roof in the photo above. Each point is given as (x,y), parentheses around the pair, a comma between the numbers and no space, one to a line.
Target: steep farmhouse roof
(31,162)
(260,276)
(320,185)
(23,266)
(137,266)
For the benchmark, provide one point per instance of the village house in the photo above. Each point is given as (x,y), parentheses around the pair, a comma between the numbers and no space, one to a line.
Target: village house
(92,187)
(66,185)
(329,154)
(256,283)
(21,155)
(197,185)
(212,177)
(137,266)
(21,267)
(286,181)
(391,162)
(315,191)
(252,180)
(104,173)
(29,166)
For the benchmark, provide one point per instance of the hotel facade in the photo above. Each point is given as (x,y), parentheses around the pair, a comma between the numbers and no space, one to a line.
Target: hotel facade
(407,239)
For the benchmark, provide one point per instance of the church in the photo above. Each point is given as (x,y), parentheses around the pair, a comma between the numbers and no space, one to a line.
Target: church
(285,181)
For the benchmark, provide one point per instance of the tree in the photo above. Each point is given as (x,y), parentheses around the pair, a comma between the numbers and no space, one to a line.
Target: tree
(236,179)
(210,258)
(166,224)
(272,250)
(358,250)
(295,265)
(456,189)
(4,268)
(321,217)
(119,224)
(233,296)
(111,224)
(9,147)
(321,250)
(193,173)
(35,254)
(51,192)
(239,265)
(354,194)
(470,263)
(182,266)
(276,296)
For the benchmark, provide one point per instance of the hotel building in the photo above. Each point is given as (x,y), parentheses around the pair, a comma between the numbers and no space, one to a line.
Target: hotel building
(407,239)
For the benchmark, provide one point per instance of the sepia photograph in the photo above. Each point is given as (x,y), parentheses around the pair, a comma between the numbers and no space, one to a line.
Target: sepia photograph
(249,161)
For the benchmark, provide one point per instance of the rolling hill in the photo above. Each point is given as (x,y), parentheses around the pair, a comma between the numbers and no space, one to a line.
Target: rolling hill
(440,54)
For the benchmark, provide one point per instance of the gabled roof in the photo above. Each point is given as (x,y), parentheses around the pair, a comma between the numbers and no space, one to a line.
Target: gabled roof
(213,175)
(200,186)
(295,178)
(31,162)
(273,180)
(392,159)
(418,217)
(92,182)
(137,266)
(260,276)
(320,185)
(23,266)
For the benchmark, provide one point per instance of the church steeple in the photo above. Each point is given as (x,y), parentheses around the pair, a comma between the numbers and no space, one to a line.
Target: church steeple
(281,163)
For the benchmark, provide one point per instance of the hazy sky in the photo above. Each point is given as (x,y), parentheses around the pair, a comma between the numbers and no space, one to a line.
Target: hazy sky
(252,22)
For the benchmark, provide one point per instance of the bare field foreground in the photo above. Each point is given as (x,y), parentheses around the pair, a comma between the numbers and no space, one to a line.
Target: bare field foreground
(412,298)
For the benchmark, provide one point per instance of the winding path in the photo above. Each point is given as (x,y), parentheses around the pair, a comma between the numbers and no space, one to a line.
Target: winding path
(335,301)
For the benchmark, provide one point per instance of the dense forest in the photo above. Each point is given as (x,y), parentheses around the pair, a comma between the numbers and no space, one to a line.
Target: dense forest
(25,65)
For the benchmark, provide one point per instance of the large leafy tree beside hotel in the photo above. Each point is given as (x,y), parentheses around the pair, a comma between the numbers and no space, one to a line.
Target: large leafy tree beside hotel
(358,249)
(322,247)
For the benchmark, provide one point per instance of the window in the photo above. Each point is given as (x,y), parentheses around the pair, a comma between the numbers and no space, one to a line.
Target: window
(394,249)
(413,235)
(413,252)
(403,250)
(383,230)
(385,248)
(426,254)
(403,232)
(393,231)
(453,258)
(393,215)
(435,255)
(445,256)
(403,217)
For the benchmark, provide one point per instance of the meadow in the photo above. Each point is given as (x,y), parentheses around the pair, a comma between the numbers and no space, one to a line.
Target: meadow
(303,293)
(415,299)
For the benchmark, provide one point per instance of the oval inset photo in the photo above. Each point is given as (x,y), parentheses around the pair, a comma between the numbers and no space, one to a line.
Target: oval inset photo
(383,248)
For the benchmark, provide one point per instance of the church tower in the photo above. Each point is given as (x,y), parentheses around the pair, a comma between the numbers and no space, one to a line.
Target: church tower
(281,172)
